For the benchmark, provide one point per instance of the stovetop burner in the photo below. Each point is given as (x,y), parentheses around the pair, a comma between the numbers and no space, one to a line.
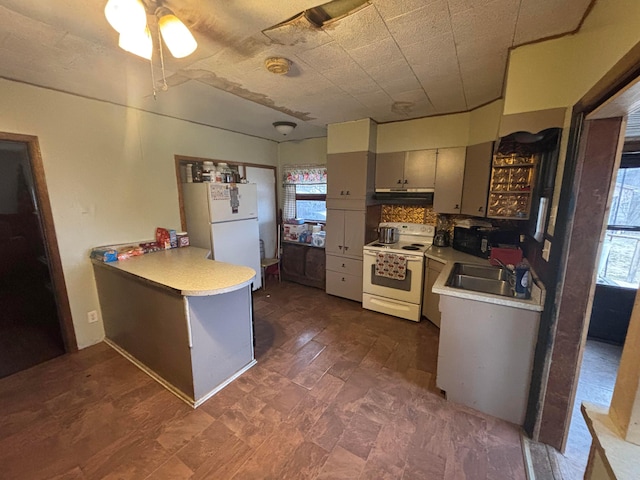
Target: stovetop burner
(411,247)
(378,245)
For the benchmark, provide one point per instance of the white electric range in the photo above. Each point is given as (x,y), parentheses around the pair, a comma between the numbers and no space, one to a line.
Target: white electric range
(393,274)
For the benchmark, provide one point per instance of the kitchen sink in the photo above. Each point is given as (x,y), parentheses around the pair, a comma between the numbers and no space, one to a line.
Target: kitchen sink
(480,278)
(481,271)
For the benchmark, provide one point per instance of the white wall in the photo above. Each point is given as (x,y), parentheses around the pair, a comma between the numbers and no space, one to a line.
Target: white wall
(110,174)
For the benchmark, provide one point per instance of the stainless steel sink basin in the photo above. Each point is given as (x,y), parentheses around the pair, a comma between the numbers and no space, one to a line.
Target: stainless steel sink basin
(480,278)
(484,285)
(481,271)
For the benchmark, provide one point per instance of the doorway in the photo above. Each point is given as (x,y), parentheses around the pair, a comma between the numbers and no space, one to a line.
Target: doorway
(35,314)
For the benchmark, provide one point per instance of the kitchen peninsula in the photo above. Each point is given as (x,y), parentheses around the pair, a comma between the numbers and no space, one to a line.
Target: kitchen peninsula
(182,318)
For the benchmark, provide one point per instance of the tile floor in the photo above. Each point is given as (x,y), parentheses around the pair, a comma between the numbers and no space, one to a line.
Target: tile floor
(338,393)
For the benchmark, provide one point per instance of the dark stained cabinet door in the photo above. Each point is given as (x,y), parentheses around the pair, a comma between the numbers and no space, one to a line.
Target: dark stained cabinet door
(303,264)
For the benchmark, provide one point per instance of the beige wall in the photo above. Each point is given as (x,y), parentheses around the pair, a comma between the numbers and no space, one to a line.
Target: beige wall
(455,130)
(110,174)
(356,136)
(557,73)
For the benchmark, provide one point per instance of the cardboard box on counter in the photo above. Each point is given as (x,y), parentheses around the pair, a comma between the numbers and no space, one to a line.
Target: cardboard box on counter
(293,232)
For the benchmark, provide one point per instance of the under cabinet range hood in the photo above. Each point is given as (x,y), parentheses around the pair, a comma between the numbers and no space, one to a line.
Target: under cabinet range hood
(405,197)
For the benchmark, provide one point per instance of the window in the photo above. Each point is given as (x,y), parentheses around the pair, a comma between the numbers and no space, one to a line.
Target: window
(305,192)
(620,257)
(311,202)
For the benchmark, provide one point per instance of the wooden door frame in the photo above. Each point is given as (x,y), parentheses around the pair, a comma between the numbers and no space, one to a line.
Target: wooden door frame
(550,418)
(50,239)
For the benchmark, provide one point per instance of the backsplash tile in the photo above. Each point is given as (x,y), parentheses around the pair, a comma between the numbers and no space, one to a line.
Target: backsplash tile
(408,213)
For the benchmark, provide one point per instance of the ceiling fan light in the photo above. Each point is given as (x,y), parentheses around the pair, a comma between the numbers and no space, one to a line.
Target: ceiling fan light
(139,43)
(285,128)
(175,34)
(126,15)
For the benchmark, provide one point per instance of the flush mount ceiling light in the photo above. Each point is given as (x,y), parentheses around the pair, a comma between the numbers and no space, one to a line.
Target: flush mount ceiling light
(285,128)
(277,65)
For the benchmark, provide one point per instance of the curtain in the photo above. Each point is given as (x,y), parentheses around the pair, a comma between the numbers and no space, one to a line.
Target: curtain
(304,174)
(299,175)
(289,204)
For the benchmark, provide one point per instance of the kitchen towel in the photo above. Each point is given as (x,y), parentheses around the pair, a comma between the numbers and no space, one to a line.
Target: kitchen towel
(391,265)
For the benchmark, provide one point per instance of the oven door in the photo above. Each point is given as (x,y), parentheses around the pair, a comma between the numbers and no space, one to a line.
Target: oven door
(407,290)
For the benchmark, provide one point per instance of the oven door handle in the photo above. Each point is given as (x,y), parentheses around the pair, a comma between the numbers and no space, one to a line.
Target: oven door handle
(409,259)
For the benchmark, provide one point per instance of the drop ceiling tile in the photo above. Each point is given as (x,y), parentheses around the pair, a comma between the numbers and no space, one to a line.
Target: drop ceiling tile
(421,25)
(384,52)
(494,22)
(389,9)
(374,99)
(343,75)
(458,6)
(412,96)
(358,29)
(326,57)
(299,34)
(401,84)
(544,18)
(437,53)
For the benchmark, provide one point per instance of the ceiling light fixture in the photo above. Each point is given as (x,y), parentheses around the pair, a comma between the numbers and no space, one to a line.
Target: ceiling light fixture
(285,128)
(129,19)
(175,34)
(126,15)
(138,43)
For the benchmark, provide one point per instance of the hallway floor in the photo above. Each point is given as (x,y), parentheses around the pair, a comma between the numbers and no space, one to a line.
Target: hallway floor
(338,393)
(597,379)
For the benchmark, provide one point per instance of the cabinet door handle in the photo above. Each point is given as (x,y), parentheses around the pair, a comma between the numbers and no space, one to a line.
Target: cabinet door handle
(399,182)
(343,279)
(347,193)
(481,209)
(457,207)
(406,181)
(340,247)
(346,248)
(341,192)
(343,266)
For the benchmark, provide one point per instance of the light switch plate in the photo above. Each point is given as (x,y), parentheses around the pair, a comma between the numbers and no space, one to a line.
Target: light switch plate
(546,250)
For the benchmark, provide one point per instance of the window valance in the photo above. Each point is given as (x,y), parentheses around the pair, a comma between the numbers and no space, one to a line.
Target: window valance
(304,174)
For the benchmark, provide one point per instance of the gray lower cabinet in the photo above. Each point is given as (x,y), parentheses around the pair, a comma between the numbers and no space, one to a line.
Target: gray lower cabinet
(430,300)
(344,277)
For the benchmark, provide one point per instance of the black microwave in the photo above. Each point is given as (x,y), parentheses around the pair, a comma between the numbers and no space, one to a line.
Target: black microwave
(479,240)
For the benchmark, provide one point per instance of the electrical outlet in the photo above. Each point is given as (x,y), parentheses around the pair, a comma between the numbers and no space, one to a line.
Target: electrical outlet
(546,250)
(92,316)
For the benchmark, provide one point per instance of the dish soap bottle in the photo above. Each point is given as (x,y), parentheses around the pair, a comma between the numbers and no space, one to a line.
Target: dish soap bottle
(523,280)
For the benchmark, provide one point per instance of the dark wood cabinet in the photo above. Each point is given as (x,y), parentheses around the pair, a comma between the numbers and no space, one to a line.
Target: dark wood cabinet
(303,264)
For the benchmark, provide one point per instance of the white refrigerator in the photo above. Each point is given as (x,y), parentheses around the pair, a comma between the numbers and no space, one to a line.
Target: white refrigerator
(223,218)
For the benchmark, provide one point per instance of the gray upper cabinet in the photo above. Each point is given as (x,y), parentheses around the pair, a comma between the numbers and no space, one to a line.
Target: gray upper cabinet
(349,179)
(420,169)
(406,170)
(390,170)
(449,180)
(477,171)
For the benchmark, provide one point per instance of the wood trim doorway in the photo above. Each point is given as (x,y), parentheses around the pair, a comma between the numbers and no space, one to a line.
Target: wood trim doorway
(50,239)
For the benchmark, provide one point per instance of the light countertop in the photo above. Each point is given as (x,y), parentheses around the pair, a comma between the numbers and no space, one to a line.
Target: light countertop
(187,270)
(449,256)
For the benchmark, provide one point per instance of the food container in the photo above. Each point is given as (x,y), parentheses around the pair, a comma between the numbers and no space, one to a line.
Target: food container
(318,239)
(183,239)
(387,234)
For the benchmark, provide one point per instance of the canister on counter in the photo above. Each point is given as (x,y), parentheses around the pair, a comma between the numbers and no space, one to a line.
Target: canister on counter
(183,239)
